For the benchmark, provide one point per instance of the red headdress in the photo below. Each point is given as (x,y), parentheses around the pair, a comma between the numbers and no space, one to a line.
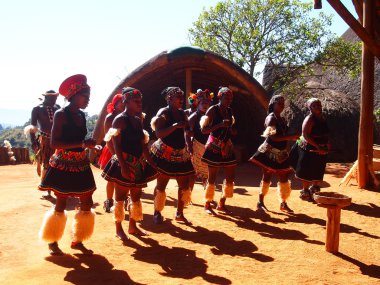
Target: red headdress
(115,100)
(72,85)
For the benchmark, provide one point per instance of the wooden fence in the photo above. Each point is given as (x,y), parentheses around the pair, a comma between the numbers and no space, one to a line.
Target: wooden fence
(20,153)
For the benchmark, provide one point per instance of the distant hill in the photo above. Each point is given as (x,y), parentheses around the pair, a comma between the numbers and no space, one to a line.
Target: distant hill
(14,117)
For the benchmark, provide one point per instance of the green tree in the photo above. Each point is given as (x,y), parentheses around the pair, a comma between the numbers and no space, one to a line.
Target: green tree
(253,33)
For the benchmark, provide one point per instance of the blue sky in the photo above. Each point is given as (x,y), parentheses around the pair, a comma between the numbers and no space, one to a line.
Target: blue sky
(45,41)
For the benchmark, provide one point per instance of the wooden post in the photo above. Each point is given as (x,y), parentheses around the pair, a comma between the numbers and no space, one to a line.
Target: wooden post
(333,229)
(366,101)
(188,85)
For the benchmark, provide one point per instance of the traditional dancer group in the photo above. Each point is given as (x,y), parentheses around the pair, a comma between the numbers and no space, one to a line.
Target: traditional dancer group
(192,143)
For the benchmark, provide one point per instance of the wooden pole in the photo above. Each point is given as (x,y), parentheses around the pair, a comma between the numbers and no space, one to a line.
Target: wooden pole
(333,229)
(188,85)
(367,99)
(363,33)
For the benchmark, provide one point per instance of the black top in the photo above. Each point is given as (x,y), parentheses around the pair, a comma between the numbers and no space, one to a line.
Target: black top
(281,129)
(132,136)
(177,138)
(319,131)
(222,134)
(198,135)
(71,132)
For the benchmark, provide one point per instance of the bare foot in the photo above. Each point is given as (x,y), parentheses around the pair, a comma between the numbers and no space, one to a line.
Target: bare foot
(261,207)
(181,218)
(54,249)
(122,236)
(209,210)
(224,209)
(137,232)
(80,246)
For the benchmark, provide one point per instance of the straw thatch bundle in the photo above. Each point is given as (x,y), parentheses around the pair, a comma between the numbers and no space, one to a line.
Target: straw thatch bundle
(342,115)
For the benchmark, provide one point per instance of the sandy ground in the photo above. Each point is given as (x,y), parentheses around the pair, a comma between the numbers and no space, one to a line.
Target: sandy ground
(244,248)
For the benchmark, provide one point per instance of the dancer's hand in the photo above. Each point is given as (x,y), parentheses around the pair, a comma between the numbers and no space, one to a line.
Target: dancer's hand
(128,173)
(98,148)
(35,147)
(90,143)
(180,125)
(226,123)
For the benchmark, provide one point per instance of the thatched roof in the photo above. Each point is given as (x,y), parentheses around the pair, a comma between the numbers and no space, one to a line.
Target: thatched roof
(342,115)
(208,70)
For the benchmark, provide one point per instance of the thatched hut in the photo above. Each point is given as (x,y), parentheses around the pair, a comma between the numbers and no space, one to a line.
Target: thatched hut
(192,68)
(352,86)
(342,114)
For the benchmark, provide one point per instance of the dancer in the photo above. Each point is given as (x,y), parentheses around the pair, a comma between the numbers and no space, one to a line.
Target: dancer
(69,172)
(41,123)
(272,155)
(313,148)
(170,154)
(218,124)
(128,168)
(195,139)
(113,109)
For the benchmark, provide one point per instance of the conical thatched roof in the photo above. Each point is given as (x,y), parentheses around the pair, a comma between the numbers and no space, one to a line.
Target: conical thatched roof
(342,115)
(208,70)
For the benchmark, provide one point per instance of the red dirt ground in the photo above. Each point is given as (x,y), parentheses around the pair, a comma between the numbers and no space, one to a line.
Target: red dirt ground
(245,248)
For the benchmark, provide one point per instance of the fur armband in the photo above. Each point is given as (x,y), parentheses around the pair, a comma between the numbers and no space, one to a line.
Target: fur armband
(233,120)
(204,122)
(269,131)
(146,136)
(153,122)
(30,130)
(112,132)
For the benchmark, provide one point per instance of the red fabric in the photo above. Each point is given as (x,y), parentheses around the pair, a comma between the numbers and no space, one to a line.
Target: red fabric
(104,157)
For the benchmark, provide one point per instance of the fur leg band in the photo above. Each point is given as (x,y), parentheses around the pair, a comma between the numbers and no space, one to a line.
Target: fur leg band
(284,190)
(210,192)
(227,190)
(83,225)
(159,200)
(136,211)
(264,187)
(118,211)
(186,196)
(53,226)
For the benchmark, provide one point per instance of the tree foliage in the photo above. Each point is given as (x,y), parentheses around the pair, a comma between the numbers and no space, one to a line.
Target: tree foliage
(279,33)
(343,55)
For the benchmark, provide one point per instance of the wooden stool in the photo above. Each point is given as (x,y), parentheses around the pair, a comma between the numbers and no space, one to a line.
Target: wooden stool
(334,202)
